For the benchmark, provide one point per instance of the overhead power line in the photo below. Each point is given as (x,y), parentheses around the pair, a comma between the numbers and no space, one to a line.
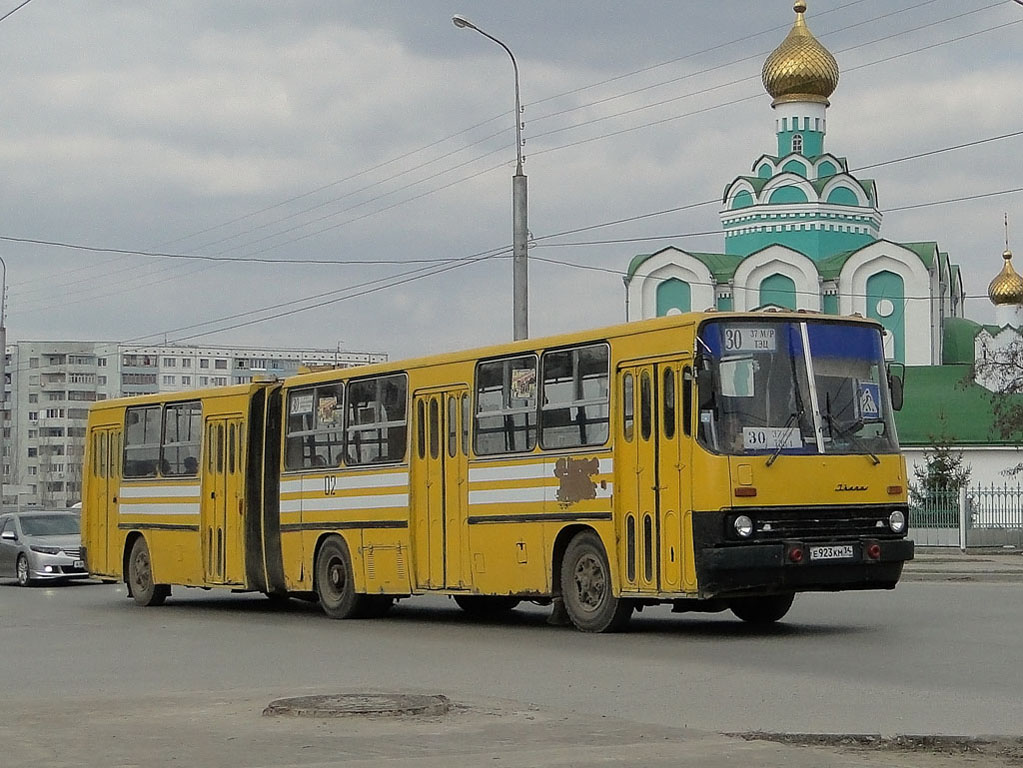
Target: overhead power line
(15,10)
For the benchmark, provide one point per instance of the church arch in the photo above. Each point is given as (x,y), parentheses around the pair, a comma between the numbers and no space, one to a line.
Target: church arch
(770,264)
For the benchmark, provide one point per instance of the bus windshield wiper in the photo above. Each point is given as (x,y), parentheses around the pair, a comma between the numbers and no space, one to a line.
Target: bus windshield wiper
(849,433)
(794,418)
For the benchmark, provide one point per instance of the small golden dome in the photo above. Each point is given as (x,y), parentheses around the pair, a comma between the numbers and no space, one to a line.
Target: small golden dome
(800,69)
(1007,287)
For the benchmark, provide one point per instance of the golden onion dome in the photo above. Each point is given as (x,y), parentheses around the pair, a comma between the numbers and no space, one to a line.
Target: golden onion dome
(800,69)
(1007,287)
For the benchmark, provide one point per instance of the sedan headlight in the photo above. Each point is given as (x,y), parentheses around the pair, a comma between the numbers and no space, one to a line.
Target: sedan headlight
(897,521)
(743,526)
(46,550)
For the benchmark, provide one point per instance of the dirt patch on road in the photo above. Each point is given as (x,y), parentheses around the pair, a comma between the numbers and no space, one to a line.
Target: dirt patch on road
(924,751)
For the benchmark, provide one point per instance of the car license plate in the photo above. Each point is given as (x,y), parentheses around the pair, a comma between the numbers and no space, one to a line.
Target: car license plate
(79,564)
(834,552)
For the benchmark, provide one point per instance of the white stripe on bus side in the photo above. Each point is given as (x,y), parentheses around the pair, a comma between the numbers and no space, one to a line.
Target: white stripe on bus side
(160,491)
(343,503)
(131,510)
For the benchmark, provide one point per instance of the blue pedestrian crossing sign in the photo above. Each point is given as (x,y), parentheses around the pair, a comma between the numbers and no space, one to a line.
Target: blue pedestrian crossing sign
(870,401)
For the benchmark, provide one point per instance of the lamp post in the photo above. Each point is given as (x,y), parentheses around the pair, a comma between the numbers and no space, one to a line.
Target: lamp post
(520,277)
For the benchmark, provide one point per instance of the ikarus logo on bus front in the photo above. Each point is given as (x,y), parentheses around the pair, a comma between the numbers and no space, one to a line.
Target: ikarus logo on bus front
(845,487)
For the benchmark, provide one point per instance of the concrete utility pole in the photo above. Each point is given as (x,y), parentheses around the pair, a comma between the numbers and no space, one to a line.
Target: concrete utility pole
(4,405)
(520,229)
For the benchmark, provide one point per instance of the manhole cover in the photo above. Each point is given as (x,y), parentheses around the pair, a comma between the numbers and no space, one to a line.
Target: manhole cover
(355,704)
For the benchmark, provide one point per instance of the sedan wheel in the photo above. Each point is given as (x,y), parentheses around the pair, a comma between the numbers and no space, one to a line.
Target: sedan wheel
(23,573)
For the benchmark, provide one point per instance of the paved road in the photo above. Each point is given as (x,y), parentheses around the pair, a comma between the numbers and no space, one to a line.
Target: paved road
(930,657)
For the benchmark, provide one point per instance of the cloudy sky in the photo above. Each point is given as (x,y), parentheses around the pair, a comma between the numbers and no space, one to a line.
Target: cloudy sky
(343,168)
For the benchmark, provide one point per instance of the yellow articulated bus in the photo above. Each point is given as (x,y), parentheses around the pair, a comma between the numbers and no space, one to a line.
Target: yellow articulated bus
(710,461)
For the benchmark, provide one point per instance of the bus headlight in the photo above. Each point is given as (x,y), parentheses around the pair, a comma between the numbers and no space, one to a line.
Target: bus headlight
(897,521)
(743,526)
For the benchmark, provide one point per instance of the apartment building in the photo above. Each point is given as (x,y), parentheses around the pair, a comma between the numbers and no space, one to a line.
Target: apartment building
(48,386)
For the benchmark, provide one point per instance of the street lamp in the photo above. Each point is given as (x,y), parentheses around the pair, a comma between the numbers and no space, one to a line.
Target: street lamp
(520,279)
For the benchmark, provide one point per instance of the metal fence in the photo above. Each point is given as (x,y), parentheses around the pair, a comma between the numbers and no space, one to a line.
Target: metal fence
(981,516)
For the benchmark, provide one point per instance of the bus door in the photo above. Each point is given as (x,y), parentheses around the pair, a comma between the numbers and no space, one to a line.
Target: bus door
(104,485)
(222,501)
(439,487)
(650,459)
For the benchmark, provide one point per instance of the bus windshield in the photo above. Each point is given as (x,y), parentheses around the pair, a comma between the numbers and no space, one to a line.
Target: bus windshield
(810,387)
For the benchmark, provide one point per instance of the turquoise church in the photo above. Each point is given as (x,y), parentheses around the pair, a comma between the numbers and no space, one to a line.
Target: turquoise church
(802,232)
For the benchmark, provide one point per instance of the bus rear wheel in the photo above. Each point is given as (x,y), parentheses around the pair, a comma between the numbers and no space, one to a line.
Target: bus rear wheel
(335,582)
(762,610)
(486,606)
(586,587)
(144,591)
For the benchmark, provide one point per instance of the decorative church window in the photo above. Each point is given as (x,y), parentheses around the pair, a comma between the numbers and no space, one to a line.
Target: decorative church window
(797,143)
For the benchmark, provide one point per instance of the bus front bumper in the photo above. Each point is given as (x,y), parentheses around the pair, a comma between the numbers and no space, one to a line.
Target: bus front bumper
(798,566)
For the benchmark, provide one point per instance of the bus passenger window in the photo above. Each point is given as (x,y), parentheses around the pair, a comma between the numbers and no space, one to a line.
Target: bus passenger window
(465,425)
(506,405)
(376,421)
(182,427)
(142,441)
(315,437)
(576,406)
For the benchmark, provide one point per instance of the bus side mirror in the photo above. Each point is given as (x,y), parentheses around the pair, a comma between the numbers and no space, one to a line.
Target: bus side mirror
(896,386)
(705,388)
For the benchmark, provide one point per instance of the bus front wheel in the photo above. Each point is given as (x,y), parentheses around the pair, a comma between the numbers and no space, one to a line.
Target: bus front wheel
(586,587)
(144,591)
(335,582)
(762,610)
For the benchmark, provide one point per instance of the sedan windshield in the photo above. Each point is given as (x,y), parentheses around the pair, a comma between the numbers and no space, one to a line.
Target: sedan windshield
(772,386)
(49,525)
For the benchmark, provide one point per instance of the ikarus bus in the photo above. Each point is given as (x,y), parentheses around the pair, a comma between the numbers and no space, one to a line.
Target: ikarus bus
(709,461)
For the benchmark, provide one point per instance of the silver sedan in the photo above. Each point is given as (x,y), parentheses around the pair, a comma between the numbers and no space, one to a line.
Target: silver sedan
(41,546)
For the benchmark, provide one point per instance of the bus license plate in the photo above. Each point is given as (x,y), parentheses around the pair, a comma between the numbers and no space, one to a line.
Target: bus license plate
(839,552)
